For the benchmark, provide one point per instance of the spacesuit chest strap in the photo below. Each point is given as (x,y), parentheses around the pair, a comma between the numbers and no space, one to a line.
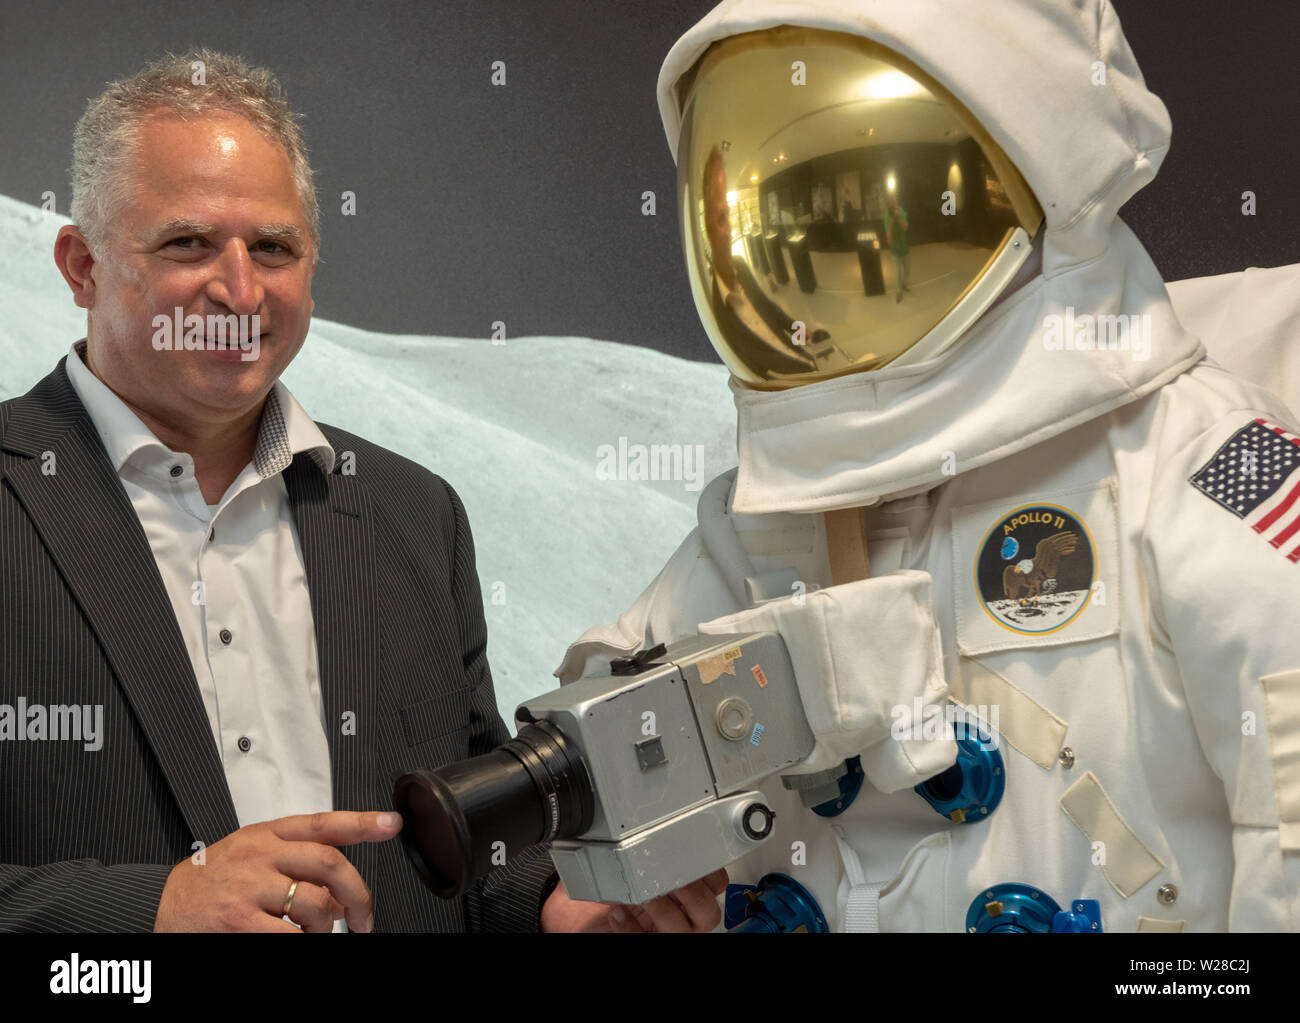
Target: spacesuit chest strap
(862,910)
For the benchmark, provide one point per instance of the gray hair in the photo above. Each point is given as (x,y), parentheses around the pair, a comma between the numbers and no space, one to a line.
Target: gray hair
(108,134)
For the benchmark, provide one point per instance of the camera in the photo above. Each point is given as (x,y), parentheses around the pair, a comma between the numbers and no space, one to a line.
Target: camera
(642,780)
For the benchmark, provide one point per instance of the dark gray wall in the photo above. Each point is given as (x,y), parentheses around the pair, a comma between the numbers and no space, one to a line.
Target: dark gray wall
(522,204)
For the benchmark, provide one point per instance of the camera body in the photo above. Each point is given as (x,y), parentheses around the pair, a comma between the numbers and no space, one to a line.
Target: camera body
(642,780)
(674,750)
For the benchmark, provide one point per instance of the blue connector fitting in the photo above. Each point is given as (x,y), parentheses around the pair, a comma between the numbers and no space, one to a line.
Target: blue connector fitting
(1015,908)
(971,789)
(850,783)
(778,904)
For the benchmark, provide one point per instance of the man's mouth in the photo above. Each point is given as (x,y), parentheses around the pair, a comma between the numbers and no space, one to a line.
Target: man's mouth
(247,349)
(231,342)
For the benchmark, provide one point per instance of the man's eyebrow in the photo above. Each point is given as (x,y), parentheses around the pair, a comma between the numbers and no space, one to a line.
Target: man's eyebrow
(181,226)
(281,231)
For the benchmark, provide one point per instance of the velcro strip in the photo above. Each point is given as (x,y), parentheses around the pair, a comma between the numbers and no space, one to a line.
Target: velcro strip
(1282,705)
(1020,719)
(1126,862)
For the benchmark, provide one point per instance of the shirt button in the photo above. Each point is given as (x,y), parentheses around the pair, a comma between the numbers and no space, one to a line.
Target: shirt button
(177,470)
(226,636)
(245,744)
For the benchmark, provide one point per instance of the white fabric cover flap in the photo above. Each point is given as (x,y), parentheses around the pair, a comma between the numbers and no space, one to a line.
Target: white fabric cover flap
(863,653)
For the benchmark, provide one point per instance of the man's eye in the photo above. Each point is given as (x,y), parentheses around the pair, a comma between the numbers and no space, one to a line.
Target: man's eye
(184,238)
(275,246)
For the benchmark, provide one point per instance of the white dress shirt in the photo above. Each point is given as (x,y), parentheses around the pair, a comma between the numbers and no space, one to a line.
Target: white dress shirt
(234,573)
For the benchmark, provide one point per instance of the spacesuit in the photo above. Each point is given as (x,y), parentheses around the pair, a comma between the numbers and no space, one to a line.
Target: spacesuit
(1090,547)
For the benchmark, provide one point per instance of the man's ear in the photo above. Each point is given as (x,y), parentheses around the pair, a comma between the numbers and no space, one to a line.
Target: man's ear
(73,258)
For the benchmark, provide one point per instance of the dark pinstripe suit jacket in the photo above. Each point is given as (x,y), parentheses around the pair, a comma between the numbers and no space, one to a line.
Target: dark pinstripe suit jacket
(87,838)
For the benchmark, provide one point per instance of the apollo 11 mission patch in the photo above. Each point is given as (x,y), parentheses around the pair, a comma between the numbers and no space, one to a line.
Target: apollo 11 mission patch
(1037,570)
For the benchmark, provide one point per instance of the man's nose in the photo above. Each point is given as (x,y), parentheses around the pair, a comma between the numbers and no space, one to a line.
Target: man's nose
(235,282)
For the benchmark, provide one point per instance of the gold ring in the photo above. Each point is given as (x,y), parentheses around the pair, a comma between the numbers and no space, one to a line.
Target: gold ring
(288,899)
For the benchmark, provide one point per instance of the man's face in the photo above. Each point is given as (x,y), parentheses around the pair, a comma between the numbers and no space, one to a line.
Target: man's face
(213,225)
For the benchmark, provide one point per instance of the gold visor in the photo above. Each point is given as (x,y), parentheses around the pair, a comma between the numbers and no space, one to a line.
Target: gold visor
(839,208)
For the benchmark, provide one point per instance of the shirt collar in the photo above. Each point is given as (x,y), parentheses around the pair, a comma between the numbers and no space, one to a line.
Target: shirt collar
(284,430)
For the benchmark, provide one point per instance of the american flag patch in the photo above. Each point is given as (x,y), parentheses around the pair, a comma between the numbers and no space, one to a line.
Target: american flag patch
(1256,476)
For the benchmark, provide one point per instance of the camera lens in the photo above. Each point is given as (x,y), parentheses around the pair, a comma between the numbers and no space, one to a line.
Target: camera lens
(459,820)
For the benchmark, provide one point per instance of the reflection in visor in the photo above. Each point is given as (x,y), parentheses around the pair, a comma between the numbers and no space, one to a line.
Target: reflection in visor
(834,207)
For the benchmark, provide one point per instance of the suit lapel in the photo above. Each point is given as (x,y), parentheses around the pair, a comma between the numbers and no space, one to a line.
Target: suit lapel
(94,536)
(85,519)
(335,529)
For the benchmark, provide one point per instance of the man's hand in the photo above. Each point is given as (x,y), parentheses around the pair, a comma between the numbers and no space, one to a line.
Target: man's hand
(691,908)
(245,879)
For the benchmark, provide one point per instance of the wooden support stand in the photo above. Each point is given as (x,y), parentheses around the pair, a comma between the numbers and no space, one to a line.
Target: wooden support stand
(846,544)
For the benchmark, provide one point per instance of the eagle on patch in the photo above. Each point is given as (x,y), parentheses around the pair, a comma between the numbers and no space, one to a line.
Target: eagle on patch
(1026,580)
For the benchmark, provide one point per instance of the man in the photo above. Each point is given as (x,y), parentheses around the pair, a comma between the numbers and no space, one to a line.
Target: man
(249,623)
(896,236)
(1080,533)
